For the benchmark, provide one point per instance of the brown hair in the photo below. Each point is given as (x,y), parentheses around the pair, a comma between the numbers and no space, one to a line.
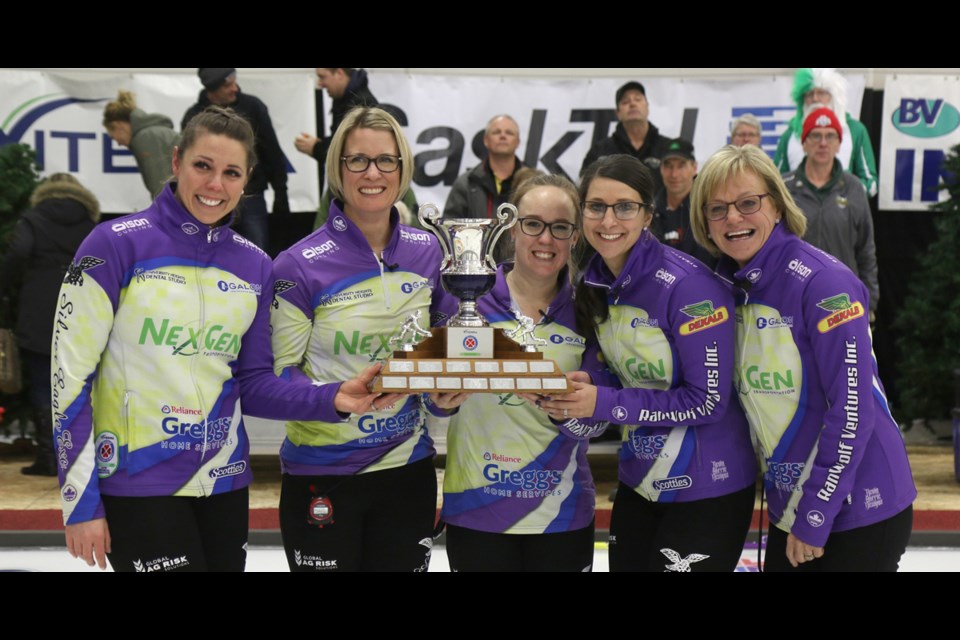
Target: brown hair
(120,109)
(222,121)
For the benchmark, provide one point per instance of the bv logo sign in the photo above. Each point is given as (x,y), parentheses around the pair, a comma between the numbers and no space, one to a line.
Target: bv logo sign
(925,118)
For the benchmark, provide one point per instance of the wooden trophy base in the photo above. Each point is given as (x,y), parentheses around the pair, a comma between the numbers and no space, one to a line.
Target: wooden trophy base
(428,368)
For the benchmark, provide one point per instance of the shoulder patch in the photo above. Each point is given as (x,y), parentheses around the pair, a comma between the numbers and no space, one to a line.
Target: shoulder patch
(705,316)
(842,310)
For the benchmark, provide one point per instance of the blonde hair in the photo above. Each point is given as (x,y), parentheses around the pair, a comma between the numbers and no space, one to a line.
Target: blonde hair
(727,164)
(367,118)
(120,109)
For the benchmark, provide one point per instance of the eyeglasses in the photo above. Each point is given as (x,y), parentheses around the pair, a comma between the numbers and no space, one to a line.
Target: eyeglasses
(535,227)
(817,138)
(747,205)
(358,164)
(622,210)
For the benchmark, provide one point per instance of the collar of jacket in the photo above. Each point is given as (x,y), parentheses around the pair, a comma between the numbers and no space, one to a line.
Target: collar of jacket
(501,291)
(341,229)
(182,226)
(762,268)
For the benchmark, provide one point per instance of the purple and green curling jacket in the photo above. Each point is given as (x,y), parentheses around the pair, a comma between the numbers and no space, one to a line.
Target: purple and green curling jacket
(832,455)
(670,341)
(338,304)
(510,469)
(162,328)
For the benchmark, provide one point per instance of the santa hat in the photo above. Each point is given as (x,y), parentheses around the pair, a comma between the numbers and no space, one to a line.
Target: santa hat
(820,118)
(808,79)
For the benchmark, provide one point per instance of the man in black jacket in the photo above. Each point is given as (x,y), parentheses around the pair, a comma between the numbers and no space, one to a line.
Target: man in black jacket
(634,135)
(220,88)
(348,89)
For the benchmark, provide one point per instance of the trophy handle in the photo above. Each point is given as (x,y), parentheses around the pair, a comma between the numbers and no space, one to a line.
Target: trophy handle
(507,215)
(429,216)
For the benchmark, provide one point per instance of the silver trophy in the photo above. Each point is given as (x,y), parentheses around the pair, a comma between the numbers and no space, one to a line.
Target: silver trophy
(468,270)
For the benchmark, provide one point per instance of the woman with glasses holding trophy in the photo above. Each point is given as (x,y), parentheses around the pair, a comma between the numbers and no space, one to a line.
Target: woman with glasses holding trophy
(518,494)
(360,494)
(836,472)
(665,325)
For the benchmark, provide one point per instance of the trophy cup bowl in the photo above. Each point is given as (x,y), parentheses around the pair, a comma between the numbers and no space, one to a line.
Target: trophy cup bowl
(468,270)
(467,354)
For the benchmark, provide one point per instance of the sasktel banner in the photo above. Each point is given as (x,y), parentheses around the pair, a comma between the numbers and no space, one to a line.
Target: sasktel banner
(921,122)
(559,119)
(60,117)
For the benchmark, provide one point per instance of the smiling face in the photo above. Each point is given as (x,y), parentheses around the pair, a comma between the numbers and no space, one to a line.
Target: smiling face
(210,176)
(611,237)
(370,192)
(678,175)
(737,235)
(543,256)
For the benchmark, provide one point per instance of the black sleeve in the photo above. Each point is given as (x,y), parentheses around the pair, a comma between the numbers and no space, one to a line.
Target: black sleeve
(272,159)
(15,256)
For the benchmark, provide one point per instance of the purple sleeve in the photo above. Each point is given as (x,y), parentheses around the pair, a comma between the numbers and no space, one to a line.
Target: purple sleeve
(837,322)
(703,365)
(292,397)
(584,428)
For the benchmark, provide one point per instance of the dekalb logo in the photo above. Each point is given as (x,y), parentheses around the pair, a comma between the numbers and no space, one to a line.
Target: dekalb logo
(673,484)
(706,317)
(925,118)
(130,225)
(843,311)
(339,224)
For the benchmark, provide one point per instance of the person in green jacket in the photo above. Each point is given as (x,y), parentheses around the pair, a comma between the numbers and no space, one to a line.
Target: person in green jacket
(815,88)
(150,136)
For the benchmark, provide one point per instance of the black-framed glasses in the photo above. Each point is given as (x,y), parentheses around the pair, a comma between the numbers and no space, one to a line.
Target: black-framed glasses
(535,227)
(622,210)
(717,210)
(360,163)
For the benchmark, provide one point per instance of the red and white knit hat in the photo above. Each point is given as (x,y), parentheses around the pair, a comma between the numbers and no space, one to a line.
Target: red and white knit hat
(819,118)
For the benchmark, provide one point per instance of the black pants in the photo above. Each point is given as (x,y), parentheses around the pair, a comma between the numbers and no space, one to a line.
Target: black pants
(703,535)
(381,521)
(471,550)
(178,534)
(873,548)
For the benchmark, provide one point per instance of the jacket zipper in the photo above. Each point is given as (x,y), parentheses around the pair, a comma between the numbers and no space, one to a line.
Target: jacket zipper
(383,283)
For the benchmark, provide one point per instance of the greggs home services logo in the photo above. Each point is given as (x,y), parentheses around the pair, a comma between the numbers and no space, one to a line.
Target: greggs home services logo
(705,316)
(843,311)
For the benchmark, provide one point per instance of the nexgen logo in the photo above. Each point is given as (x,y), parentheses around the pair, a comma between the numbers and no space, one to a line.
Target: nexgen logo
(717,317)
(836,319)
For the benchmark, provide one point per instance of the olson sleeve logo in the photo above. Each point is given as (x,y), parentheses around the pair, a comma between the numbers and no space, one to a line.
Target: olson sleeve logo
(705,316)
(843,311)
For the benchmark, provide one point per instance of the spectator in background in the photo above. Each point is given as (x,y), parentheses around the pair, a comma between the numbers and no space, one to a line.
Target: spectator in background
(149,136)
(826,87)
(220,88)
(746,130)
(635,135)
(834,201)
(478,192)
(347,88)
(62,212)
(671,216)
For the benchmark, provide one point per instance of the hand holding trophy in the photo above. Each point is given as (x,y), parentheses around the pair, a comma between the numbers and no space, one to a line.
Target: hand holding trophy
(468,354)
